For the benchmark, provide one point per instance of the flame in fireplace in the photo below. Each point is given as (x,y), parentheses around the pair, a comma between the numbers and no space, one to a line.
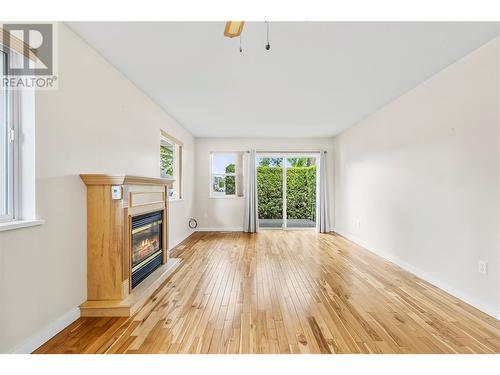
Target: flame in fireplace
(145,248)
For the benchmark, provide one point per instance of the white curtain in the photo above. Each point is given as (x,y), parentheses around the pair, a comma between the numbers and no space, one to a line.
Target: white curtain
(323,225)
(250,222)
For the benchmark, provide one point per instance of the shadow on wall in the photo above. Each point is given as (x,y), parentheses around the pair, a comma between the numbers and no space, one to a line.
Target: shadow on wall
(52,280)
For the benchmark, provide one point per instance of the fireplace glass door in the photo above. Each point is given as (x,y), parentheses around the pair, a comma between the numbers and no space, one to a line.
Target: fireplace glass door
(146,239)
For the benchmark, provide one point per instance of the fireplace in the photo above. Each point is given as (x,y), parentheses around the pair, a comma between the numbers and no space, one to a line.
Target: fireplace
(146,245)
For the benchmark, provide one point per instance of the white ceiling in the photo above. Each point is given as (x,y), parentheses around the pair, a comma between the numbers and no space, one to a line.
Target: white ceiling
(317,79)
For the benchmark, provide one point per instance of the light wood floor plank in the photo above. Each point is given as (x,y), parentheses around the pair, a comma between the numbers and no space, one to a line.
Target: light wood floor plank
(286,292)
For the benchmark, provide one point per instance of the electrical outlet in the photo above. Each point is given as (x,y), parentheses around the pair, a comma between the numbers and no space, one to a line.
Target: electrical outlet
(482,267)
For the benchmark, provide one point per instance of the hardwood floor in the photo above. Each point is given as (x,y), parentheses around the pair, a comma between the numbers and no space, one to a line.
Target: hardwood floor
(286,292)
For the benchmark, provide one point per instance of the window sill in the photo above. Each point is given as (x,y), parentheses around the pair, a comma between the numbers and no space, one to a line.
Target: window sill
(18,224)
(175,200)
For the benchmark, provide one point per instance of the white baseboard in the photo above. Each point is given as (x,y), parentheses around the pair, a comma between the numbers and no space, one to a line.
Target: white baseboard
(45,334)
(424,275)
(174,244)
(220,229)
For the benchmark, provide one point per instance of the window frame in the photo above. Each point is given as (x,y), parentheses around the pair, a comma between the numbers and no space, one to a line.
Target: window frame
(178,150)
(215,194)
(21,164)
(12,146)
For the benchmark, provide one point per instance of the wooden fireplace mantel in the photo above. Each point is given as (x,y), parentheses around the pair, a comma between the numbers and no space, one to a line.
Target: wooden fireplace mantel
(123,179)
(109,226)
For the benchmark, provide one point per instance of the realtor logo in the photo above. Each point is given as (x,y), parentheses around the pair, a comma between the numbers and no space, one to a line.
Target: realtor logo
(32,55)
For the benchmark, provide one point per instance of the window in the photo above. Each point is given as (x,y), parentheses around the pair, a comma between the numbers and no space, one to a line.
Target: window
(167,158)
(17,159)
(226,177)
(6,148)
(171,151)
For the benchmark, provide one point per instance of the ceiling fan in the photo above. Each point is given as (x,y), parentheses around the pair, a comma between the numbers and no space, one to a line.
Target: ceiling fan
(235,28)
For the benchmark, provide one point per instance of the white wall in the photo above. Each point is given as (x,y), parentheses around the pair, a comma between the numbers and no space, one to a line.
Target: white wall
(227,213)
(419,181)
(96,122)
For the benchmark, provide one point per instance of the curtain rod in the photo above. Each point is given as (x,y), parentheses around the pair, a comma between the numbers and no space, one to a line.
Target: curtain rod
(269,152)
(288,152)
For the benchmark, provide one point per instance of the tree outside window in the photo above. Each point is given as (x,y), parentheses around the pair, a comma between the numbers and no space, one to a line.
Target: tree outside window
(167,159)
(224,174)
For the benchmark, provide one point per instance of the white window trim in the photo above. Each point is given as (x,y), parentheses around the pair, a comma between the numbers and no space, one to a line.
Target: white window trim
(219,195)
(12,152)
(178,150)
(22,152)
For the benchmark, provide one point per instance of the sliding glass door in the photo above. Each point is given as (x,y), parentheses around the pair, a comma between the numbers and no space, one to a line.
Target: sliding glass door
(270,192)
(300,175)
(286,186)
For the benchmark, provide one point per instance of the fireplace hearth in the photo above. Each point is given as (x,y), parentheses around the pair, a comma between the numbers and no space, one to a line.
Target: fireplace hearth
(146,245)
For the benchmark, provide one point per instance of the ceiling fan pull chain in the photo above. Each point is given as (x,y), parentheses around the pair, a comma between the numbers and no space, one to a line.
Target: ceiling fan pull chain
(268,46)
(241,49)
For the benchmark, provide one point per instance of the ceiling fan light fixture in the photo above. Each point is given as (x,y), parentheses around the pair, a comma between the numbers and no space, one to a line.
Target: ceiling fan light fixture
(233,28)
